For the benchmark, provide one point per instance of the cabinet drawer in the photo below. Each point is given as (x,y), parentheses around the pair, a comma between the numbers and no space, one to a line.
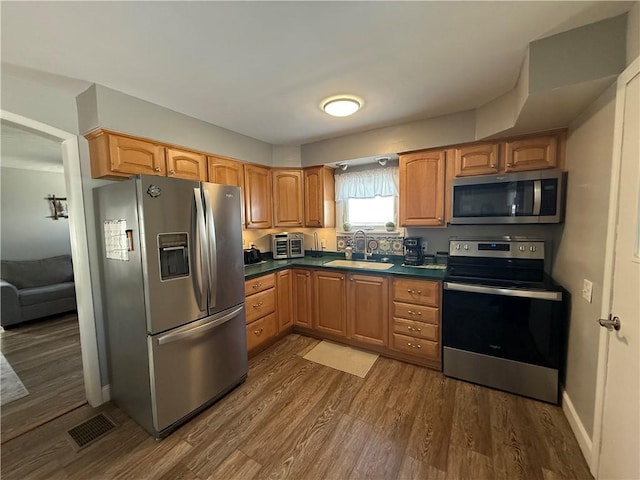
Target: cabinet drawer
(416,312)
(415,346)
(259,284)
(260,331)
(422,292)
(260,304)
(427,331)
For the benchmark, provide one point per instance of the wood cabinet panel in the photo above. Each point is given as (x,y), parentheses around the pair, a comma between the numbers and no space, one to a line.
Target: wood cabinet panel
(417,313)
(288,198)
(422,183)
(302,298)
(427,331)
(368,309)
(535,153)
(330,302)
(319,197)
(260,304)
(225,171)
(257,196)
(259,284)
(133,156)
(477,159)
(284,292)
(260,331)
(416,346)
(421,292)
(186,164)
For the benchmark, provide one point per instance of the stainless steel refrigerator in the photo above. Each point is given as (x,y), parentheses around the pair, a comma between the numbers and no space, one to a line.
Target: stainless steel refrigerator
(173,283)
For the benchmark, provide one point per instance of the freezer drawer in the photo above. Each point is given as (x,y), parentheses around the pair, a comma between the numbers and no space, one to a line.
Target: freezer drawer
(195,364)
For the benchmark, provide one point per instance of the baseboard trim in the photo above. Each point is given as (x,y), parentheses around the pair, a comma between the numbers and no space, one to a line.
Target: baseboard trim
(106,393)
(584,441)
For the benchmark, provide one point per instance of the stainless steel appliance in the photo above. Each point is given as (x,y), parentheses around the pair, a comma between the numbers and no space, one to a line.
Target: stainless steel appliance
(287,245)
(413,251)
(174,296)
(523,197)
(503,319)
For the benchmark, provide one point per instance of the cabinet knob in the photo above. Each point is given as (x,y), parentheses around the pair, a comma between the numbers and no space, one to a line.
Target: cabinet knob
(157,169)
(439,219)
(258,332)
(494,166)
(256,285)
(172,172)
(257,305)
(307,274)
(341,277)
(509,164)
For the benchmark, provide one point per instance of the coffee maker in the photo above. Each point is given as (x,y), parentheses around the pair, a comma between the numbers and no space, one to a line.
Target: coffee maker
(413,251)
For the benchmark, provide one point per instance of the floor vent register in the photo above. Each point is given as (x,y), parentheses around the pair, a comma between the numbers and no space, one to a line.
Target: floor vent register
(90,430)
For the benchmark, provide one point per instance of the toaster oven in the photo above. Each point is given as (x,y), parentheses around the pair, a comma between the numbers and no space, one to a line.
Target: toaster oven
(287,245)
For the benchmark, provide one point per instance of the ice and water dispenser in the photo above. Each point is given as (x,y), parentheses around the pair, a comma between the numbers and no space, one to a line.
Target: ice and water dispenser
(174,255)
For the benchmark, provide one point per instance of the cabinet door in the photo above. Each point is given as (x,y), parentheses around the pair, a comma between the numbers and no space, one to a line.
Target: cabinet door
(319,197)
(531,154)
(257,196)
(480,159)
(288,198)
(330,302)
(368,309)
(187,165)
(285,299)
(133,156)
(422,189)
(225,171)
(302,314)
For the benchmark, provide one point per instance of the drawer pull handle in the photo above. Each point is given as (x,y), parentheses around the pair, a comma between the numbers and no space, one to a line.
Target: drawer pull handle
(258,332)
(494,166)
(256,285)
(172,172)
(509,164)
(411,312)
(414,329)
(417,345)
(257,305)
(157,169)
(416,292)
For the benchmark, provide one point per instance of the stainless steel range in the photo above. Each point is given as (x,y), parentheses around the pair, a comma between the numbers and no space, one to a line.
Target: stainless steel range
(504,319)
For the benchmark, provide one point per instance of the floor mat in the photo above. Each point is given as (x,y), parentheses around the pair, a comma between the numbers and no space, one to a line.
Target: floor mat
(11,387)
(341,357)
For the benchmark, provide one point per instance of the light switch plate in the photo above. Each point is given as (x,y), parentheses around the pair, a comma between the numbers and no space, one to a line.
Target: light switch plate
(587,290)
(323,243)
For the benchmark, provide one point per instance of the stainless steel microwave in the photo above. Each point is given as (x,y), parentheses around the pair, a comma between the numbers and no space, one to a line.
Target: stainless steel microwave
(522,197)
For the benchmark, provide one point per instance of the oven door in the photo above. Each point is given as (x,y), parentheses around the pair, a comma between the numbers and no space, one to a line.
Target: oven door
(296,248)
(511,339)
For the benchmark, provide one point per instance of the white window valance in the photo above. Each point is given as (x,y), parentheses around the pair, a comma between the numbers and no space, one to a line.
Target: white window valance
(367,183)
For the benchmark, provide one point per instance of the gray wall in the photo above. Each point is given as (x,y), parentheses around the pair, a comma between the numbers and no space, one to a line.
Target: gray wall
(633,33)
(27,233)
(582,247)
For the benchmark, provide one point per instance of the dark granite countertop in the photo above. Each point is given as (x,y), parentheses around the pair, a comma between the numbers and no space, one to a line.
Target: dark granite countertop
(309,261)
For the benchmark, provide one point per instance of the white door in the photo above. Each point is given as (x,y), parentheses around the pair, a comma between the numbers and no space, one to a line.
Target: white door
(620,441)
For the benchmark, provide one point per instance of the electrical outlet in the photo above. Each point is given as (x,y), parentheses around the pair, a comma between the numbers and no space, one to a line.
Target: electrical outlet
(323,242)
(424,248)
(587,290)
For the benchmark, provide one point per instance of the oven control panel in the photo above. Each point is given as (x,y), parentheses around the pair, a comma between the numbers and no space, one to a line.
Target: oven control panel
(497,248)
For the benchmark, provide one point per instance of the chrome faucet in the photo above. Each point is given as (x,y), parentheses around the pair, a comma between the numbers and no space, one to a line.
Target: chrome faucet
(355,244)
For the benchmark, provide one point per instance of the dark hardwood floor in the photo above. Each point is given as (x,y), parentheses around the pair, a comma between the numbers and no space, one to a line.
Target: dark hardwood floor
(296,419)
(46,356)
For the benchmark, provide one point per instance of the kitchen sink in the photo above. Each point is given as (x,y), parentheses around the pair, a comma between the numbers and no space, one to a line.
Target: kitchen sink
(356,264)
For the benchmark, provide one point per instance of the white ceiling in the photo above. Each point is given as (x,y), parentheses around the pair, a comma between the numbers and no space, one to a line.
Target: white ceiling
(262,68)
(26,149)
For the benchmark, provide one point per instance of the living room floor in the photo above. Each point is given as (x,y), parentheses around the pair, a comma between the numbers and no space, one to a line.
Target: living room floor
(46,356)
(294,418)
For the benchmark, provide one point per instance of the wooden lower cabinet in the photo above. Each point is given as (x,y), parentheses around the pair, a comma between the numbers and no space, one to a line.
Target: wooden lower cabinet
(260,308)
(330,302)
(368,301)
(284,290)
(302,297)
(260,331)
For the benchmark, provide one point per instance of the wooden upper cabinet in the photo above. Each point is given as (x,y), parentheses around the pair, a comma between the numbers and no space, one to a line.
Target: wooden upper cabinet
(288,198)
(118,156)
(319,197)
(368,299)
(186,164)
(257,196)
(422,184)
(302,298)
(330,302)
(531,154)
(479,159)
(225,171)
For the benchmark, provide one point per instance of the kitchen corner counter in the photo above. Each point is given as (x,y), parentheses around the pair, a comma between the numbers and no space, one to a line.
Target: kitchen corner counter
(268,266)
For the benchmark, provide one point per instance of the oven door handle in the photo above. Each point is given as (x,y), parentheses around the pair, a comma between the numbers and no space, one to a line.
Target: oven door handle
(506,292)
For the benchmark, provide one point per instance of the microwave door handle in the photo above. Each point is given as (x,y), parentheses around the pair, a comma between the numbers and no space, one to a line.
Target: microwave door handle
(201,263)
(537,197)
(213,249)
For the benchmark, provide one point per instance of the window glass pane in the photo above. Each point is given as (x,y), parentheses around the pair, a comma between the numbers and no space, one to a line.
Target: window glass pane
(370,211)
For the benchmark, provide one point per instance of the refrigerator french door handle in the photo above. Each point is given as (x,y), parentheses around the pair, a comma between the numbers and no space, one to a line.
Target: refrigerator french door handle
(189,332)
(202,253)
(213,251)
(537,196)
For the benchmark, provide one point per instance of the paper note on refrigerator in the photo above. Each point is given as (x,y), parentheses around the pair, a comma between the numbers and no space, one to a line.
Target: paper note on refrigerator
(115,240)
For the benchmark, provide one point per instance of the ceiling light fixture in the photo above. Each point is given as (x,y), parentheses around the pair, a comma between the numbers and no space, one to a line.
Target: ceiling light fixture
(341,105)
